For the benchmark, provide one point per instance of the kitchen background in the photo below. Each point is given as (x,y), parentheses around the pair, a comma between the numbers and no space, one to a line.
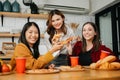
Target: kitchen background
(12,24)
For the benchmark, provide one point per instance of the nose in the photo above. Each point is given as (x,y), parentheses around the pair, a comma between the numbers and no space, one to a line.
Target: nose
(55,23)
(33,34)
(86,32)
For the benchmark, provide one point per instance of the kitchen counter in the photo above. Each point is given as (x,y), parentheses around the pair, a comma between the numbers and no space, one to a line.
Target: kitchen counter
(80,75)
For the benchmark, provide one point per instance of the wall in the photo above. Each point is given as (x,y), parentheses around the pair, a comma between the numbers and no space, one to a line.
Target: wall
(97,5)
(17,23)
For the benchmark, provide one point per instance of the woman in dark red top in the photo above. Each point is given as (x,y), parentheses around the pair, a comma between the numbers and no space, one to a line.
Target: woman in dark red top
(89,49)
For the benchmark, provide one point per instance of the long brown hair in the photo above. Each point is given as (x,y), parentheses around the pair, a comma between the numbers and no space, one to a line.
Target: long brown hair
(50,28)
(96,40)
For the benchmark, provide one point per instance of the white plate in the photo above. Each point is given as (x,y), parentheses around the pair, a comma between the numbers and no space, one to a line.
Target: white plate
(6,73)
(42,71)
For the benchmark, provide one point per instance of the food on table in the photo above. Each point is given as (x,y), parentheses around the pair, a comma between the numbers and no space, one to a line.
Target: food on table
(10,67)
(70,68)
(93,66)
(64,68)
(5,68)
(42,71)
(106,64)
(116,65)
(108,59)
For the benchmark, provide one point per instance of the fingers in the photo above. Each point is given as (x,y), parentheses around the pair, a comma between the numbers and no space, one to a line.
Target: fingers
(78,38)
(56,38)
(56,47)
(51,66)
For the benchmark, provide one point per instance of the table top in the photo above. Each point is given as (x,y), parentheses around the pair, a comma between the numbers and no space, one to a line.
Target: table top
(79,75)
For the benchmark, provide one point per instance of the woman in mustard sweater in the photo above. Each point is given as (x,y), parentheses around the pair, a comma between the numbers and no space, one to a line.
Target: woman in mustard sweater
(28,47)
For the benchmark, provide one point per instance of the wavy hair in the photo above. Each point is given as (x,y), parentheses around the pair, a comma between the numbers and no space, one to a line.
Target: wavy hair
(50,29)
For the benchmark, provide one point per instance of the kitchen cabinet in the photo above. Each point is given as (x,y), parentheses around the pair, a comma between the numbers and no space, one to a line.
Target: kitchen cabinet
(13,35)
(9,35)
(19,15)
(22,15)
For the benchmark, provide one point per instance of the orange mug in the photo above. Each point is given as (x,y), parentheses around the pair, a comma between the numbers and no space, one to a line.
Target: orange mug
(20,64)
(104,54)
(74,60)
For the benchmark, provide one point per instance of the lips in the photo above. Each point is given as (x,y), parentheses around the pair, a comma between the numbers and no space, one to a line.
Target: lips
(86,35)
(33,39)
(57,25)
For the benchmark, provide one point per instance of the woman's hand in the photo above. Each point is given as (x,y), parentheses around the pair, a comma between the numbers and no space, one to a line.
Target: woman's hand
(51,66)
(57,46)
(69,48)
(56,38)
(78,38)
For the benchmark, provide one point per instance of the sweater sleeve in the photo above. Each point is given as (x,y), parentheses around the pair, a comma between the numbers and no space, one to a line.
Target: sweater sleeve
(96,54)
(22,51)
(103,47)
(77,48)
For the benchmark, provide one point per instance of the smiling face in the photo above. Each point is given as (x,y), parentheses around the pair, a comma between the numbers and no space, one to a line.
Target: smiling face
(88,32)
(57,21)
(31,35)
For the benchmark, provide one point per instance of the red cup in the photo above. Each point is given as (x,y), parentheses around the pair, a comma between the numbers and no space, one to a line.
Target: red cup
(20,64)
(74,60)
(104,54)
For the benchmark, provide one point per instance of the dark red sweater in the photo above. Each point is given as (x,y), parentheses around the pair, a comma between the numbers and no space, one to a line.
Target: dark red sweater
(95,55)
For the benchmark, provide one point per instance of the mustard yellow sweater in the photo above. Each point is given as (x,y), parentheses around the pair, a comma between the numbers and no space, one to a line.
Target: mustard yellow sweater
(21,50)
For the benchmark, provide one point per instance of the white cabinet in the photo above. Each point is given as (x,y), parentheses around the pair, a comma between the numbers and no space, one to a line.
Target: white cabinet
(72,3)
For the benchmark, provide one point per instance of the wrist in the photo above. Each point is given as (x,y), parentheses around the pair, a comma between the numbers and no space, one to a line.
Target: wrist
(51,50)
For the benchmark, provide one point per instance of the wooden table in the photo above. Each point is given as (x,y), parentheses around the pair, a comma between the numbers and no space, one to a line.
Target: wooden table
(81,75)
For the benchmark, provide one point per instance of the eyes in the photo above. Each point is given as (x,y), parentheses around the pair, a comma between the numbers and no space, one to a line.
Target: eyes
(56,20)
(89,29)
(35,32)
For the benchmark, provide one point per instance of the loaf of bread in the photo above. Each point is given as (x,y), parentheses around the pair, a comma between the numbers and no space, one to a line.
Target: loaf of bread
(106,64)
(116,65)
(65,68)
(93,66)
(98,63)
(110,66)
(110,58)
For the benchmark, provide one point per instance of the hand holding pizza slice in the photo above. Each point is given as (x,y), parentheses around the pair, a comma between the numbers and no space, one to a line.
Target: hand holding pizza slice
(67,41)
(56,38)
